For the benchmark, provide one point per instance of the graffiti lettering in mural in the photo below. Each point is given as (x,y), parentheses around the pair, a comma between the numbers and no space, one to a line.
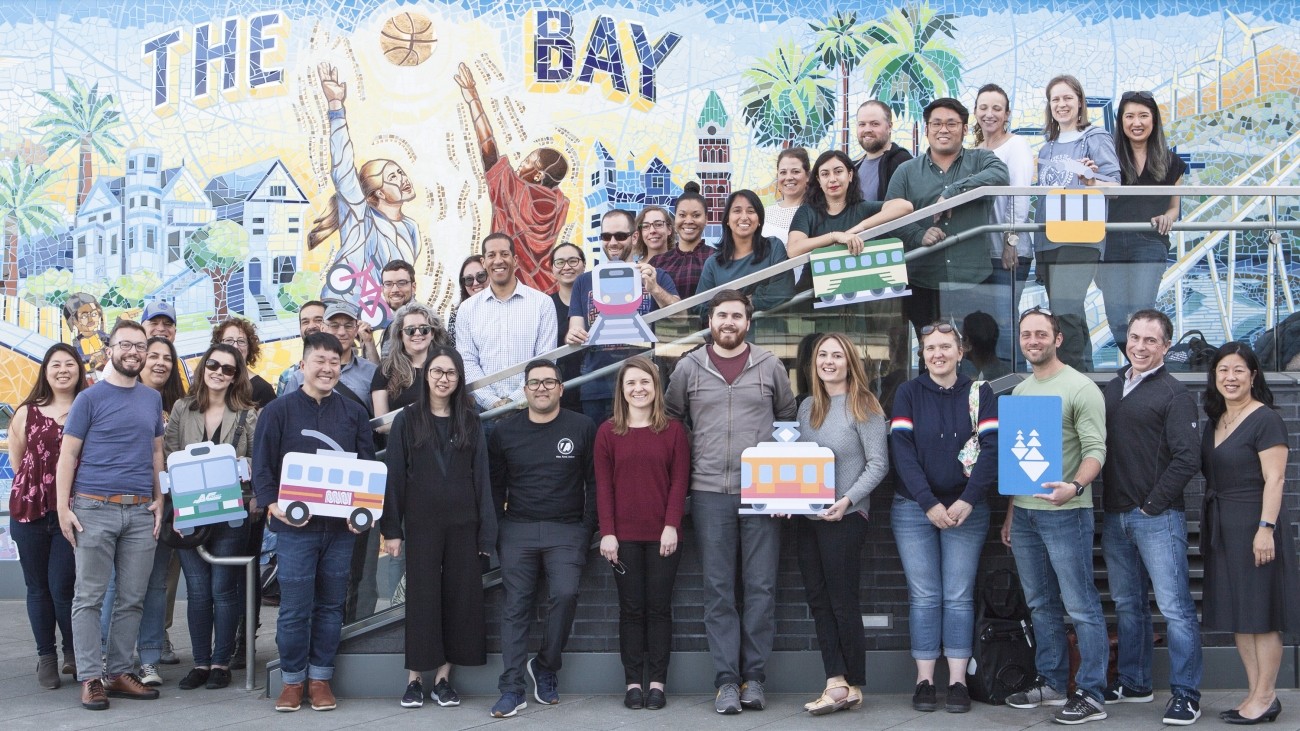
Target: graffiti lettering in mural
(555,55)
(218,44)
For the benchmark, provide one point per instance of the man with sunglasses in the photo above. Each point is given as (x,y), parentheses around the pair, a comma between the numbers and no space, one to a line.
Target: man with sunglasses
(544,487)
(657,290)
(343,321)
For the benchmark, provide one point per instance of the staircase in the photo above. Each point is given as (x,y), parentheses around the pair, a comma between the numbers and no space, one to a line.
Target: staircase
(264,309)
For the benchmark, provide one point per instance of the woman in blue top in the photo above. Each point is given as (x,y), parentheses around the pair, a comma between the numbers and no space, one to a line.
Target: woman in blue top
(745,250)
(940,516)
(1067,270)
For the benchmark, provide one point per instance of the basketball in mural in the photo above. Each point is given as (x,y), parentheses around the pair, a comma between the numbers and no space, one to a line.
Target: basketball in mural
(408,39)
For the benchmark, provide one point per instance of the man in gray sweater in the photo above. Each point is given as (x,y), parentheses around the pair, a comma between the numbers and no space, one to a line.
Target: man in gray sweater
(729,392)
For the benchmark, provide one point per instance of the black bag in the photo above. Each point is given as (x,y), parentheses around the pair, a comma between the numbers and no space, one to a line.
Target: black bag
(1276,348)
(167,531)
(270,581)
(1002,657)
(1191,354)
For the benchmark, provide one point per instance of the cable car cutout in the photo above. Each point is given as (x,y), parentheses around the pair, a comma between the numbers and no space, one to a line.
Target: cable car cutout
(332,483)
(840,278)
(204,482)
(1075,216)
(616,293)
(786,476)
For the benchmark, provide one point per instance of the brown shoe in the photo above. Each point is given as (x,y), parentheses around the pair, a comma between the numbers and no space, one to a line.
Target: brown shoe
(93,697)
(128,685)
(290,698)
(322,698)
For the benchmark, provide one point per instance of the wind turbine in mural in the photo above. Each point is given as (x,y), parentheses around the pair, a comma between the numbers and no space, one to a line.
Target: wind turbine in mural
(1199,72)
(1218,59)
(1252,49)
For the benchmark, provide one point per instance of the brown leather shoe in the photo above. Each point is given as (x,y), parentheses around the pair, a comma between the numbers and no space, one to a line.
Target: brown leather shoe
(128,685)
(290,698)
(93,697)
(322,697)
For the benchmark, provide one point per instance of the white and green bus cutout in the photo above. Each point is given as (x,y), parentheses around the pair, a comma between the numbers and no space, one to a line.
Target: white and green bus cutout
(840,278)
(204,483)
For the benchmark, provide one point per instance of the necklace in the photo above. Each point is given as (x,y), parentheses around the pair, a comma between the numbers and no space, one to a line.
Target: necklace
(1229,420)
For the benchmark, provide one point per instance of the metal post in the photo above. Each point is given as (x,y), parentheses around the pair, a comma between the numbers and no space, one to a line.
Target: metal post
(250,607)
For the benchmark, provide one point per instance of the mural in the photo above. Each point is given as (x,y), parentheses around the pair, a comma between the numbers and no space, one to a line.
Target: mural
(243,156)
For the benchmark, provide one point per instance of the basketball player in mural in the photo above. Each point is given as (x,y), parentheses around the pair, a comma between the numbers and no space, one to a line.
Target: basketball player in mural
(527,204)
(366,211)
(85,319)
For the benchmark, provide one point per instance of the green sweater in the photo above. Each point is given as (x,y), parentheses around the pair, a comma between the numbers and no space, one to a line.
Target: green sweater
(1083,429)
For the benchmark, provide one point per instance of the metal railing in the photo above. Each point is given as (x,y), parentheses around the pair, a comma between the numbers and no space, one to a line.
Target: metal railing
(250,607)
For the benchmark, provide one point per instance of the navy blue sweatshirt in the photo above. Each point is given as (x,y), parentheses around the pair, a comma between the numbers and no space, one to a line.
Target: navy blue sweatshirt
(930,424)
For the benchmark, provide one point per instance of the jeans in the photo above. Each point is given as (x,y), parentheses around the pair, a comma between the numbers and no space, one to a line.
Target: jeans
(1127,287)
(215,596)
(528,550)
(740,639)
(1053,551)
(115,546)
(1138,547)
(1067,272)
(153,623)
(645,610)
(940,567)
(50,572)
(313,573)
(1003,288)
(830,559)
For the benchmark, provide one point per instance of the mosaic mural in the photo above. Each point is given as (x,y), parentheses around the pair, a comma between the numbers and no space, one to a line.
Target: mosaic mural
(243,156)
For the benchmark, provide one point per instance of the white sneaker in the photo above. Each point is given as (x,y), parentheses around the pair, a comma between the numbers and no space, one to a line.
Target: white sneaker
(149,675)
(1039,694)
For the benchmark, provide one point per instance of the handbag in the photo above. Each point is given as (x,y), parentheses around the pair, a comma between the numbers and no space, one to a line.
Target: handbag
(970,451)
(167,531)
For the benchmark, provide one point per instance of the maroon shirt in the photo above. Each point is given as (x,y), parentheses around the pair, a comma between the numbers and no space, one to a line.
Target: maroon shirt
(684,267)
(641,480)
(730,368)
(33,493)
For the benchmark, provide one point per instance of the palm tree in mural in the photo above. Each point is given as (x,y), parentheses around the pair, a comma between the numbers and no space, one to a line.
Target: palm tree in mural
(841,43)
(911,63)
(26,210)
(789,100)
(83,117)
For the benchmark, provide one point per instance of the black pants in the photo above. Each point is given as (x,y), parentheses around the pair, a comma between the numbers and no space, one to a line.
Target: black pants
(921,307)
(645,610)
(1067,272)
(830,558)
(444,596)
(363,586)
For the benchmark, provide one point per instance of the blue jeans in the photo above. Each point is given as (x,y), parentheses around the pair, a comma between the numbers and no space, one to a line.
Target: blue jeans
(1004,288)
(313,572)
(214,596)
(1126,287)
(940,567)
(1138,547)
(153,623)
(1053,550)
(50,572)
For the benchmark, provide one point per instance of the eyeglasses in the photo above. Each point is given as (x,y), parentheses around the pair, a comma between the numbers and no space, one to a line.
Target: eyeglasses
(226,369)
(413,330)
(469,280)
(654,225)
(127,346)
(615,236)
(949,124)
(541,384)
(572,261)
(437,374)
(619,567)
(1131,95)
(236,342)
(350,325)
(939,327)
(397,284)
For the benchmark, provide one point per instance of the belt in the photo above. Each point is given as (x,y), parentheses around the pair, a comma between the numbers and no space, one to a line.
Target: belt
(118,499)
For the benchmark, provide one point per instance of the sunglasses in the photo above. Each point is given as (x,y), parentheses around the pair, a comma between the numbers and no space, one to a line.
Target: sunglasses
(227,370)
(469,280)
(619,567)
(412,330)
(1037,310)
(616,236)
(1130,95)
(941,327)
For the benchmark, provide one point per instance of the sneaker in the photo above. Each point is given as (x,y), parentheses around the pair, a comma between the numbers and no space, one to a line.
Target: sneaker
(727,701)
(752,695)
(444,694)
(1080,709)
(168,656)
(1120,693)
(924,697)
(93,697)
(1181,711)
(545,685)
(128,685)
(237,660)
(149,675)
(195,678)
(218,678)
(414,695)
(958,700)
(1039,694)
(508,705)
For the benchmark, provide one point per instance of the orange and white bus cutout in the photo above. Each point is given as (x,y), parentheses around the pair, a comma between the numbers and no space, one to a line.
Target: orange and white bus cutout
(332,483)
(786,476)
(1075,216)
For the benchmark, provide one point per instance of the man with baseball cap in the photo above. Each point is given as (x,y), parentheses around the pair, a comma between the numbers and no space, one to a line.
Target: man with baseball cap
(341,321)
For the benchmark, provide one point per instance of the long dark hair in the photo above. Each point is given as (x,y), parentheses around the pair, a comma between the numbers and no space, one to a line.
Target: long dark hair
(173,389)
(1214,404)
(464,419)
(239,394)
(815,198)
(1158,153)
(42,394)
(727,245)
(464,293)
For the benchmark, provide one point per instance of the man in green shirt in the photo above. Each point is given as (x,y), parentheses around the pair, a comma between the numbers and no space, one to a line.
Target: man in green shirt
(1050,534)
(946,170)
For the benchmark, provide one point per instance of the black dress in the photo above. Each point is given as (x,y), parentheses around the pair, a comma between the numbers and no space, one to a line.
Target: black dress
(1240,597)
(439,501)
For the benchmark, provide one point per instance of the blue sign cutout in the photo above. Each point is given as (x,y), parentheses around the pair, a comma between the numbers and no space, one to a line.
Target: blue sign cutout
(1029,443)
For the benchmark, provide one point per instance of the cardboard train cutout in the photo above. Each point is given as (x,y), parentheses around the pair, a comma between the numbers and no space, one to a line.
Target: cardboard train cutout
(617,294)
(786,476)
(332,483)
(840,278)
(204,482)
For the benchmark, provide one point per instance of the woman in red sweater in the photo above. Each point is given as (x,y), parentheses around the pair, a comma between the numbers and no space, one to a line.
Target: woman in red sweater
(643,469)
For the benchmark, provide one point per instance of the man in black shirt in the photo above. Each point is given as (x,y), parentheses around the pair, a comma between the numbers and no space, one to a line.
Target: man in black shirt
(544,485)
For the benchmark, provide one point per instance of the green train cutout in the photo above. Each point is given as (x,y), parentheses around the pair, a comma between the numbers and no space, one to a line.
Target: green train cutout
(840,278)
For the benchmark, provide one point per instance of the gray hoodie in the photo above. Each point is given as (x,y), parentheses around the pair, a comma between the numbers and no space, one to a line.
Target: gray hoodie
(725,418)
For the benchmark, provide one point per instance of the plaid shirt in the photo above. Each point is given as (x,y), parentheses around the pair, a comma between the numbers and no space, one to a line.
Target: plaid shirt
(684,267)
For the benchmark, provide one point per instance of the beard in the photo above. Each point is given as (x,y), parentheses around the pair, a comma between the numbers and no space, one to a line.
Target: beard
(729,338)
(129,371)
(872,146)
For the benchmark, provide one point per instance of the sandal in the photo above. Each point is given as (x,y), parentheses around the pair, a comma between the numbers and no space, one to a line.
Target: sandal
(855,698)
(827,704)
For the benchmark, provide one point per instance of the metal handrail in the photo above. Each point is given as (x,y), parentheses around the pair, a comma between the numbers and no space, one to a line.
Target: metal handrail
(250,607)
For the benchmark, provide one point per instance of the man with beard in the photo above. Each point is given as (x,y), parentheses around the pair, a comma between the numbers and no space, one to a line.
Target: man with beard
(1050,534)
(398,279)
(882,158)
(311,319)
(109,510)
(729,392)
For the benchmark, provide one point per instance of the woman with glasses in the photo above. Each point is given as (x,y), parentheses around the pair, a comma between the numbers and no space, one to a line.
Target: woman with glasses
(49,567)
(567,264)
(643,469)
(844,416)
(242,336)
(654,234)
(944,441)
(220,410)
(1129,276)
(396,384)
(439,505)
(473,279)
(744,250)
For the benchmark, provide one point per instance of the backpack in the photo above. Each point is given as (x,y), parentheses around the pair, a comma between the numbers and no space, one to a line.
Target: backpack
(1002,656)
(1279,346)
(1191,354)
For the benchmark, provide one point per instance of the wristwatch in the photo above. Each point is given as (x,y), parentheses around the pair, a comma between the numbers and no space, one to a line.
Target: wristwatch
(1266,524)
(1078,488)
